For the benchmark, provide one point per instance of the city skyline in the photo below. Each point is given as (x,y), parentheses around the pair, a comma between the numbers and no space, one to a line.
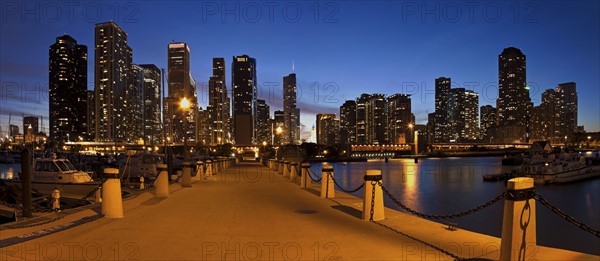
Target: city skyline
(400,70)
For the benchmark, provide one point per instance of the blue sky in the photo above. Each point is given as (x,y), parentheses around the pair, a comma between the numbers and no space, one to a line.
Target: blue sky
(339,49)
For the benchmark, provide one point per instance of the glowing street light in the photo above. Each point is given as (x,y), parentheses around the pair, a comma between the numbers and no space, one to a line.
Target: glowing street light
(185,105)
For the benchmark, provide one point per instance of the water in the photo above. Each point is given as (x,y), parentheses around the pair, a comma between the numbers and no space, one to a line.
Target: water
(8,171)
(452,185)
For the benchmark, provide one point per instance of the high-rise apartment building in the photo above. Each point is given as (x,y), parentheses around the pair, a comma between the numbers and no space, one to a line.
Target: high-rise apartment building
(68,89)
(348,122)
(181,121)
(487,122)
(112,72)
(152,129)
(441,117)
(263,130)
(399,118)
(376,119)
(513,101)
(327,129)
(244,85)
(463,108)
(218,104)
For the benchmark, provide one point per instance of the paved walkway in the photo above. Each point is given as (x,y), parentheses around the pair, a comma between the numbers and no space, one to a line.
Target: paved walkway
(251,212)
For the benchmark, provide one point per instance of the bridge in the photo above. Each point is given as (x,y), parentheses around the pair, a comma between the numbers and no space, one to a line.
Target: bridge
(249,211)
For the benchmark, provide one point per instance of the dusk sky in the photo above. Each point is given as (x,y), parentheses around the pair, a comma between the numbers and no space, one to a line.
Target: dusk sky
(339,49)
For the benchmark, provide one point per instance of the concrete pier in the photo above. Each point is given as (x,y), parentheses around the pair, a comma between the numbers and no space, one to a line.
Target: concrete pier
(251,212)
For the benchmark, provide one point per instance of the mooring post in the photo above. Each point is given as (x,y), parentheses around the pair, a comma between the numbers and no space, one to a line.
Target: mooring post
(162,181)
(304,176)
(373,196)
(186,177)
(293,171)
(327,186)
(112,201)
(519,221)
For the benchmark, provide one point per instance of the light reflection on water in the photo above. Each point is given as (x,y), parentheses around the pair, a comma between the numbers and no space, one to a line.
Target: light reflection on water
(9,171)
(452,185)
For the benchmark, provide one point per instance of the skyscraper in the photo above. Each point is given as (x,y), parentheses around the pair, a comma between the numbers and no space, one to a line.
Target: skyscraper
(375,119)
(218,103)
(91,115)
(463,108)
(399,118)
(291,112)
(567,95)
(68,89)
(263,130)
(181,85)
(348,122)
(134,96)
(441,121)
(327,129)
(152,104)
(243,75)
(513,101)
(361,118)
(487,122)
(112,69)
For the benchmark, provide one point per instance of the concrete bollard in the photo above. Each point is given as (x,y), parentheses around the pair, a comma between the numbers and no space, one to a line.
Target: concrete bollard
(142,183)
(327,186)
(162,181)
(280,167)
(56,199)
(186,177)
(293,171)
(200,171)
(286,169)
(372,177)
(304,176)
(209,168)
(112,203)
(519,221)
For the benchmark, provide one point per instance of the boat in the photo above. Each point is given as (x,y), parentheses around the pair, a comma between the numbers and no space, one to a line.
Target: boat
(48,174)
(559,168)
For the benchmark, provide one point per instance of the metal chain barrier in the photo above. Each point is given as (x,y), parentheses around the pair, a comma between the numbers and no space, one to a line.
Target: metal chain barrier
(310,174)
(373,185)
(456,215)
(565,216)
(343,189)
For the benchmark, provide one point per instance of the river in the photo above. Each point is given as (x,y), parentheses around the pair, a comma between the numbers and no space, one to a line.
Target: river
(452,185)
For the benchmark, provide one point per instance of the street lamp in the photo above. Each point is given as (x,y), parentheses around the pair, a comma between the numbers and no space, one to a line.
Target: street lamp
(589,138)
(279,130)
(185,105)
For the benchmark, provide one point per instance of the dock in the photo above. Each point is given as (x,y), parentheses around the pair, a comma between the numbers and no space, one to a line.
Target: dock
(250,212)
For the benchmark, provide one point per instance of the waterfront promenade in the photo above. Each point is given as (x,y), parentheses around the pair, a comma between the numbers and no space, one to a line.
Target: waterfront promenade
(251,212)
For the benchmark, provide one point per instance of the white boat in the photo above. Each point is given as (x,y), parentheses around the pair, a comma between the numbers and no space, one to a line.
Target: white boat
(48,174)
(558,168)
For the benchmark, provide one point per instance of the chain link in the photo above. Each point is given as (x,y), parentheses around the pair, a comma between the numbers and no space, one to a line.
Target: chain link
(455,215)
(373,185)
(343,189)
(565,216)
(310,174)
